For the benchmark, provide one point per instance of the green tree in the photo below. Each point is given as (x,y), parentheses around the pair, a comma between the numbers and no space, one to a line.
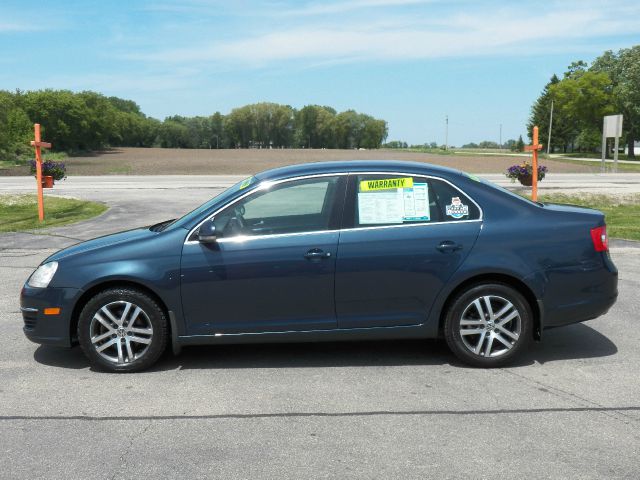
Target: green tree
(173,134)
(395,144)
(315,126)
(15,128)
(540,115)
(623,68)
(218,138)
(89,120)
(582,99)
(374,132)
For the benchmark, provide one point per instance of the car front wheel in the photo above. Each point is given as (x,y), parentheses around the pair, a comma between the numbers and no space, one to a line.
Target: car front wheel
(122,330)
(488,325)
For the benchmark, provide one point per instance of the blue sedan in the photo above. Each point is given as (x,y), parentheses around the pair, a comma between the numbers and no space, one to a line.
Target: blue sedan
(325,252)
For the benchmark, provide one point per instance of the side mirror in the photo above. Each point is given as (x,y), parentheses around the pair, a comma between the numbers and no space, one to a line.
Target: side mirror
(207,232)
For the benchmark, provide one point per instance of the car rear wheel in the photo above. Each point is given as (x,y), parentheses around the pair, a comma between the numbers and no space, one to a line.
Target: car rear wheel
(122,330)
(488,325)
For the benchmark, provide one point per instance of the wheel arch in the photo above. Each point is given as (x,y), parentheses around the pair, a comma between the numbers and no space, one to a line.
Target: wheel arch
(509,280)
(113,283)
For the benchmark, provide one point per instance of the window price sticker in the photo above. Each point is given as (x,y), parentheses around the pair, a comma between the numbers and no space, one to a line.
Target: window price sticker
(393,201)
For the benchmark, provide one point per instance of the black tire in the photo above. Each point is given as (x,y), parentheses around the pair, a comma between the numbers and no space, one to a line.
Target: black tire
(520,326)
(150,318)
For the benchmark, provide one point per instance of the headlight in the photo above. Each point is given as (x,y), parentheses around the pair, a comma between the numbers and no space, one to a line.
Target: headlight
(43,275)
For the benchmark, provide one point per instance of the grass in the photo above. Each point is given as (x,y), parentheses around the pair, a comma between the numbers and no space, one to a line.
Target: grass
(433,151)
(55,156)
(622,167)
(24,159)
(20,212)
(458,151)
(4,164)
(484,150)
(622,212)
(594,155)
(120,170)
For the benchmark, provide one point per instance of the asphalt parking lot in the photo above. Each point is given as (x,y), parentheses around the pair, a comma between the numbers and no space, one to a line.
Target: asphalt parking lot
(569,409)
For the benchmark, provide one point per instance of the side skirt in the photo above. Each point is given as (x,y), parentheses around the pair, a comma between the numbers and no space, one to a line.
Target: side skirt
(335,335)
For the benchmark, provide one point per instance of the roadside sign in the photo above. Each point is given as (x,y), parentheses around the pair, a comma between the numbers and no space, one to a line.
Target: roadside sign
(611,127)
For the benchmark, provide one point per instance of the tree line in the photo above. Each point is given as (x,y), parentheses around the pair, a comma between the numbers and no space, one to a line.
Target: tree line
(86,121)
(511,144)
(586,93)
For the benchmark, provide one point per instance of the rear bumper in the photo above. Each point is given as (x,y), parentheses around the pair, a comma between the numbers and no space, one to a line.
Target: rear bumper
(589,310)
(582,296)
(48,329)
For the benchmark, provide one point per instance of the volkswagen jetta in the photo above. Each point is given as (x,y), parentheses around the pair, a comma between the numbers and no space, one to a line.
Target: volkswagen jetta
(330,251)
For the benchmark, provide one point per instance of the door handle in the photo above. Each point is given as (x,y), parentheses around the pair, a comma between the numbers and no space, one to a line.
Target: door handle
(449,247)
(316,253)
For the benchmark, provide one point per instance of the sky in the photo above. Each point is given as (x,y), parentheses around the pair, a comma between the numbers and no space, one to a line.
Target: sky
(410,62)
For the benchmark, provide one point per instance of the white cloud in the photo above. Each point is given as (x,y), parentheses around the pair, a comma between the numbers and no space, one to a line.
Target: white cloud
(390,37)
(325,8)
(13,27)
(27,18)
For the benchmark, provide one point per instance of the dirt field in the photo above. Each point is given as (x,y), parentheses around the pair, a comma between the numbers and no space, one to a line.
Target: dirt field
(158,161)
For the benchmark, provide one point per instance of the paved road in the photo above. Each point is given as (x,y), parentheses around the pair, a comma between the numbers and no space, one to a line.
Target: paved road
(553,156)
(569,409)
(569,182)
(144,200)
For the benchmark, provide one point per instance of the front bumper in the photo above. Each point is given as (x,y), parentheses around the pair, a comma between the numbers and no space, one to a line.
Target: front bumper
(48,329)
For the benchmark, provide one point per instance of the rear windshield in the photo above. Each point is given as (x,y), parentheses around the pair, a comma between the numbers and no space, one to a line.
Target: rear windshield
(509,192)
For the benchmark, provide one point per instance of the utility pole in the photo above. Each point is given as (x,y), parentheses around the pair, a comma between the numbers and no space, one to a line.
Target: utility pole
(446,132)
(550,125)
(500,137)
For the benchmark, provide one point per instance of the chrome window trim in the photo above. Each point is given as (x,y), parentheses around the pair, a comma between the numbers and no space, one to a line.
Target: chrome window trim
(267,184)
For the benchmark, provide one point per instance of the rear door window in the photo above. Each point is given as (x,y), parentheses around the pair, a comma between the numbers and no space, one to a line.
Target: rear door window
(453,205)
(383,199)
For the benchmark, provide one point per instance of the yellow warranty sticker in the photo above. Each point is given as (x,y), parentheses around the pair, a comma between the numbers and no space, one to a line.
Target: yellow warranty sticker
(386,184)
(245,183)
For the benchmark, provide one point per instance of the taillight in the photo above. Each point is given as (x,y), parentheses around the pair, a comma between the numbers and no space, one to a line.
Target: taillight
(600,239)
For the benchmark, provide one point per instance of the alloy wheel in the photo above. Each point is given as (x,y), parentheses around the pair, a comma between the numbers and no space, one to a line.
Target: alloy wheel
(490,326)
(121,332)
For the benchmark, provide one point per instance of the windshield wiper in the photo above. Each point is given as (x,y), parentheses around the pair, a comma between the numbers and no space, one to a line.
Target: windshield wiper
(158,227)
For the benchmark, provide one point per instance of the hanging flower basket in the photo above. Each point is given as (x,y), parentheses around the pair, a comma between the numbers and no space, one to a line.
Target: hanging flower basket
(524,173)
(51,171)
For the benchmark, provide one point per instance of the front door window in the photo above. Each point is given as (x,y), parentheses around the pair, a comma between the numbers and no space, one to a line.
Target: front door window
(297,206)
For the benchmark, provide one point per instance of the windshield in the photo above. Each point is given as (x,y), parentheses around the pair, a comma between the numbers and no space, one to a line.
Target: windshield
(220,198)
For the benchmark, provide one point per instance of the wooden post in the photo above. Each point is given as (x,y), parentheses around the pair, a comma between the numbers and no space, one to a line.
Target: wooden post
(534,148)
(534,166)
(38,144)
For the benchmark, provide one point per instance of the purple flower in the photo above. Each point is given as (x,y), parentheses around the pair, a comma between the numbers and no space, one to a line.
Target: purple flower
(516,172)
(57,170)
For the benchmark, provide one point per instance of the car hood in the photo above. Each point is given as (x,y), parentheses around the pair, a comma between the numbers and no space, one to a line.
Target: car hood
(102,242)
